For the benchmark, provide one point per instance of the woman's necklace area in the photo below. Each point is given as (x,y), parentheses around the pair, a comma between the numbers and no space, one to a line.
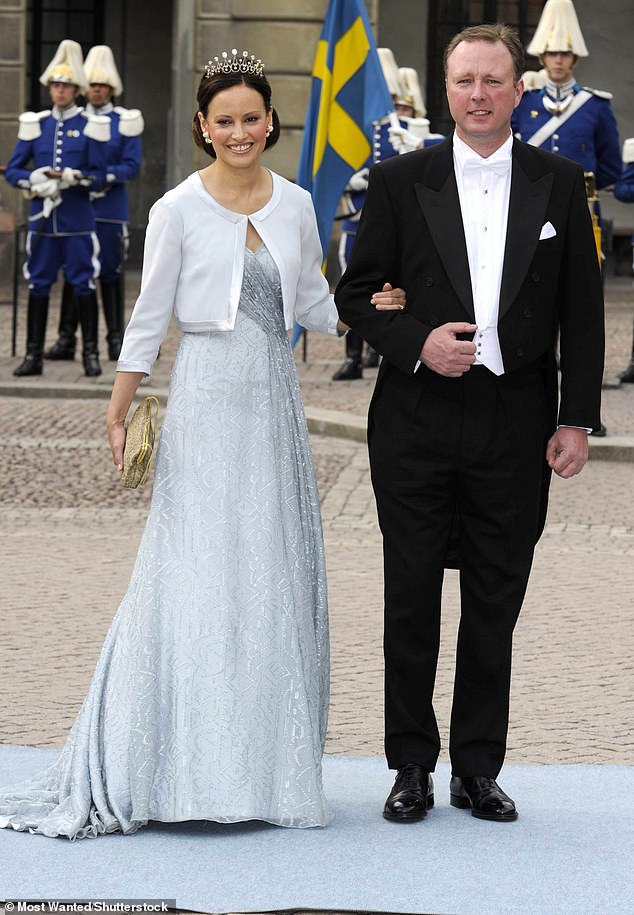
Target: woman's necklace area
(236,197)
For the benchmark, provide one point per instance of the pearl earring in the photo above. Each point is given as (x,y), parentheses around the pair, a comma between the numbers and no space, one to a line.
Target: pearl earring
(206,137)
(269,130)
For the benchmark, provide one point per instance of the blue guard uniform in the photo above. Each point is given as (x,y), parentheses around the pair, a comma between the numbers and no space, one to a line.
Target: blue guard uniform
(110,203)
(61,228)
(60,157)
(62,224)
(575,122)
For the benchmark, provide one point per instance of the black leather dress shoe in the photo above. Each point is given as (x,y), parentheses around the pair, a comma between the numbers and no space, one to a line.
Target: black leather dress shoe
(484,796)
(349,371)
(599,432)
(412,795)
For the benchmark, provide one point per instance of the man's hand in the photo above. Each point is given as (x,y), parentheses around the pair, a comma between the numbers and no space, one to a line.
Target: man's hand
(389,299)
(567,451)
(445,355)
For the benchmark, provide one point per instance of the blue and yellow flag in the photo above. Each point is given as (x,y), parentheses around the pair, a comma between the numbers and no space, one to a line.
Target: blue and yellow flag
(348,93)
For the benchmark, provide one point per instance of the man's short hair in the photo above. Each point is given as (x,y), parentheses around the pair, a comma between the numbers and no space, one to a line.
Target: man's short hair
(492,33)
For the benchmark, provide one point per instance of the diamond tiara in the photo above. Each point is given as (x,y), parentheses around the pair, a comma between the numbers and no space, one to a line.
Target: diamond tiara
(244,64)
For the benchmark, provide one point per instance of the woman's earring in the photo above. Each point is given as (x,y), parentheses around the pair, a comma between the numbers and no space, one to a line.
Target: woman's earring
(269,130)
(204,131)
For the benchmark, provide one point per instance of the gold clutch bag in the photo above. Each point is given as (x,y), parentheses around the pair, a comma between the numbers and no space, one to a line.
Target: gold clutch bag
(139,443)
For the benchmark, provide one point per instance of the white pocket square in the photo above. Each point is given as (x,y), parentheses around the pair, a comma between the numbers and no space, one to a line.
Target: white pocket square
(548,231)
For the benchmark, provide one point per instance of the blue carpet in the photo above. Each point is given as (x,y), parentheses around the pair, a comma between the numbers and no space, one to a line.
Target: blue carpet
(571,851)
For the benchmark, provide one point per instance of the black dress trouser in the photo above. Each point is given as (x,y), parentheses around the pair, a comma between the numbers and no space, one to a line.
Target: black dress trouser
(438,446)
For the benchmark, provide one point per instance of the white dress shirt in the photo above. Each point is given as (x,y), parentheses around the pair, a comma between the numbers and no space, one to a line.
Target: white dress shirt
(484,187)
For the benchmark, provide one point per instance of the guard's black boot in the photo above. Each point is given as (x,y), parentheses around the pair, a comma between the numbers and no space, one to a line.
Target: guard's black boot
(349,370)
(64,347)
(351,367)
(89,320)
(113,313)
(31,364)
(371,359)
(37,313)
(627,377)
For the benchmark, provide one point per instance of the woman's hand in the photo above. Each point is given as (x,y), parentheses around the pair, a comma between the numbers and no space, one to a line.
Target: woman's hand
(116,437)
(123,390)
(389,299)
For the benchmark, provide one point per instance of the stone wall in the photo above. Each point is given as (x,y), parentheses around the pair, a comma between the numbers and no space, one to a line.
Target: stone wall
(12,85)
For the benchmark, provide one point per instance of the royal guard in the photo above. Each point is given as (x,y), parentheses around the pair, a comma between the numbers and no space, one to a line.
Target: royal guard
(409,120)
(624,191)
(123,155)
(60,157)
(562,116)
(413,131)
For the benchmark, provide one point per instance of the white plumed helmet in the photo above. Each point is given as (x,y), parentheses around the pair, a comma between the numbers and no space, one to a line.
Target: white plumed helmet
(410,91)
(101,68)
(390,70)
(67,66)
(558,30)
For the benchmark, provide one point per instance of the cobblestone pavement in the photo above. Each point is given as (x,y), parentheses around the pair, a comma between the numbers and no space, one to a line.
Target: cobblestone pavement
(70,534)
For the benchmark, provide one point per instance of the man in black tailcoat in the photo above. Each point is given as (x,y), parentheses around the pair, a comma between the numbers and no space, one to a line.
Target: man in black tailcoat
(492,240)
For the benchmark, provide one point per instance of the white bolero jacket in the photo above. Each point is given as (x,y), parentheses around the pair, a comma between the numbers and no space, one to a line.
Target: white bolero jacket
(194,261)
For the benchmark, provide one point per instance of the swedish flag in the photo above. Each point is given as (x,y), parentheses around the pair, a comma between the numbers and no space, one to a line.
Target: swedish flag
(348,93)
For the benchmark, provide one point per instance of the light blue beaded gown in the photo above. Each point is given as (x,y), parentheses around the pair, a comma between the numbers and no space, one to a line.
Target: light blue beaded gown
(210,696)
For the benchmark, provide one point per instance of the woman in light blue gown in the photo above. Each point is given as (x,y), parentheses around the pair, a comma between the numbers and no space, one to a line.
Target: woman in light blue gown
(210,696)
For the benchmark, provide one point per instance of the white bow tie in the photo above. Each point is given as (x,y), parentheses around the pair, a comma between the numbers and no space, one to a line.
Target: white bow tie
(498,167)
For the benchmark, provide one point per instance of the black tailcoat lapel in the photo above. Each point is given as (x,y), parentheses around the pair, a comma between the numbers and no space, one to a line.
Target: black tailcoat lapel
(528,204)
(438,198)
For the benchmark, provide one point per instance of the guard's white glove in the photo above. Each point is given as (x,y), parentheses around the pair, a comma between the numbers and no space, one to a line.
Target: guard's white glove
(49,204)
(48,188)
(358,181)
(403,140)
(71,176)
(40,185)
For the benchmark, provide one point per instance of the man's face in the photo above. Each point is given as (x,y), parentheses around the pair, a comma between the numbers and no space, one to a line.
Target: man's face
(559,65)
(62,94)
(481,93)
(98,94)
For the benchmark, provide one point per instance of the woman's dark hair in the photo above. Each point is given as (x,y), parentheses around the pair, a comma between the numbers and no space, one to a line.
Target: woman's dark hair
(210,86)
